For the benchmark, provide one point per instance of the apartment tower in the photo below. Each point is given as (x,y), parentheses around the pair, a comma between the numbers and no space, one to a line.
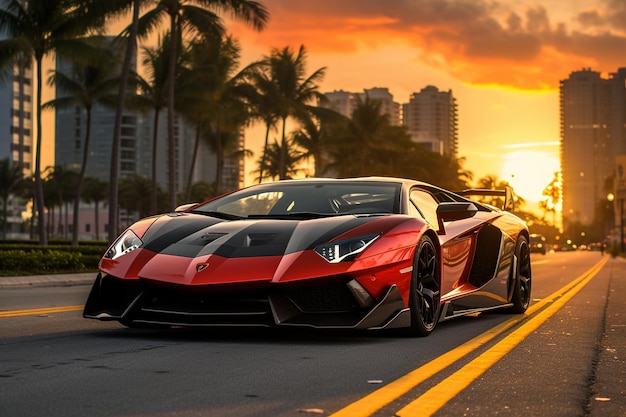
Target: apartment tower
(593,135)
(431,119)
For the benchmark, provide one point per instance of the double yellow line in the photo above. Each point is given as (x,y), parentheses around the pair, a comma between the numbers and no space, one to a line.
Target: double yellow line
(39,311)
(436,397)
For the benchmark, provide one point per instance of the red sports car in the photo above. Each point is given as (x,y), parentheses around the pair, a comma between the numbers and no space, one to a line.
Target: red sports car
(362,253)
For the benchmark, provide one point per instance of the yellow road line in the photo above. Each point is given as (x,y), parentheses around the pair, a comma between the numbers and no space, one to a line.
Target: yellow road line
(373,402)
(436,397)
(39,311)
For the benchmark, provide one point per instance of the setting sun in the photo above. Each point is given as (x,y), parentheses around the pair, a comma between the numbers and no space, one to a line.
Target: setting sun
(527,171)
(502,61)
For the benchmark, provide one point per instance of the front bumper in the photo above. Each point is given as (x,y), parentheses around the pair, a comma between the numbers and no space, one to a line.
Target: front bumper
(326,306)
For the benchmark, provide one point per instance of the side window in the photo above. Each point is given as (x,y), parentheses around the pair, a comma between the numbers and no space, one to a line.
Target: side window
(426,204)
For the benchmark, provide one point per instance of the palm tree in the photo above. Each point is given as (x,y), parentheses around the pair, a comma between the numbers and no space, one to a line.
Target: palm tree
(130,36)
(60,185)
(492,182)
(135,195)
(11,179)
(91,83)
(287,71)
(153,95)
(265,106)
(195,17)
(216,98)
(273,160)
(357,142)
(34,29)
(200,191)
(315,136)
(553,193)
(95,191)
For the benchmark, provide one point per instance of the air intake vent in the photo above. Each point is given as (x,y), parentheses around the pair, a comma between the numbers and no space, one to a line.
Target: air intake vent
(259,239)
(210,237)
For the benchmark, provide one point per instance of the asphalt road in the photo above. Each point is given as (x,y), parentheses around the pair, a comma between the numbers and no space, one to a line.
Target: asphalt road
(565,357)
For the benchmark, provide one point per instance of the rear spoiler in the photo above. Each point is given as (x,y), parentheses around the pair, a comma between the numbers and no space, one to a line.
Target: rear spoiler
(506,193)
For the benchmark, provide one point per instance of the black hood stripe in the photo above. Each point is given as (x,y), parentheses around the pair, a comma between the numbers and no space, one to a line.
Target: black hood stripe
(193,236)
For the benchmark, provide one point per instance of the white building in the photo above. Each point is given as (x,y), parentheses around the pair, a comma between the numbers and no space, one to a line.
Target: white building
(431,119)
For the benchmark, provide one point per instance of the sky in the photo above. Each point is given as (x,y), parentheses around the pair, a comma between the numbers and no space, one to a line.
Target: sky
(502,60)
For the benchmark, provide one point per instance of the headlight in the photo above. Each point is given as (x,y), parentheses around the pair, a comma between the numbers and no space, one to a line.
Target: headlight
(126,243)
(345,250)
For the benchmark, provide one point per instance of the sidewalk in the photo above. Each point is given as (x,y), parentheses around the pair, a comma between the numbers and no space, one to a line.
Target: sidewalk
(54,280)
(609,388)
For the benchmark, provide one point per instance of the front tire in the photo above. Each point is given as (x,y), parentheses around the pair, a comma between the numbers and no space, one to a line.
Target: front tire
(522,277)
(425,296)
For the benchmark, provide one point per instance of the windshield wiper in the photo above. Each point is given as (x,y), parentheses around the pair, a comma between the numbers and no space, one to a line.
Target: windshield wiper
(299,215)
(218,214)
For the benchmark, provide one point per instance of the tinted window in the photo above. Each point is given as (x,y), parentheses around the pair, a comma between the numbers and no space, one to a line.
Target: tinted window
(328,198)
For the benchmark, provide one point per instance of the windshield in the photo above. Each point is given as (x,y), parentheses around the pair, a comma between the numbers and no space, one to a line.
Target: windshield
(307,199)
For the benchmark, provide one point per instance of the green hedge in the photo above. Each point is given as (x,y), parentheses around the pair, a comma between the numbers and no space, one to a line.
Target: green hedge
(26,259)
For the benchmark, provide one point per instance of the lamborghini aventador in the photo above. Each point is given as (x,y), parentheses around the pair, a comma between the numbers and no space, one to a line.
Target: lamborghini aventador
(363,253)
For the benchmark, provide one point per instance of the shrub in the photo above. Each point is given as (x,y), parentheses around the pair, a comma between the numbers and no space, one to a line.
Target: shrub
(18,259)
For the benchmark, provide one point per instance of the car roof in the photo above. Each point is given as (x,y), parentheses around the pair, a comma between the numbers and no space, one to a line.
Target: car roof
(393,180)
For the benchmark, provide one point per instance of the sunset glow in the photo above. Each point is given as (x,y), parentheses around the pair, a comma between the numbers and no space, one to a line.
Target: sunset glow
(503,61)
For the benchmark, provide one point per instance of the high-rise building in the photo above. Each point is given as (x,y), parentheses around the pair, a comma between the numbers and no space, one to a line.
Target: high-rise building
(593,133)
(388,106)
(71,128)
(345,102)
(137,143)
(16,136)
(16,115)
(431,119)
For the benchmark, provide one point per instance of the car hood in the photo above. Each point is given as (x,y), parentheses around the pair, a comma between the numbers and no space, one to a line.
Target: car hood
(197,249)
(193,235)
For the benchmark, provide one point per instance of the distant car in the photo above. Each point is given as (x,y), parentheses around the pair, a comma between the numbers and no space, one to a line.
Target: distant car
(363,253)
(538,243)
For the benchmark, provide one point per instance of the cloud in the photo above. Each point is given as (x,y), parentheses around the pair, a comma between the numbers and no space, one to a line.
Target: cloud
(479,42)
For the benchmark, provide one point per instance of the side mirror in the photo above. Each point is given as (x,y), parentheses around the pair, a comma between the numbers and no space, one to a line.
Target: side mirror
(448,212)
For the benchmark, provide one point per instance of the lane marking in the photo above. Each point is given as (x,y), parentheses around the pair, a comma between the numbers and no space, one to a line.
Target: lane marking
(383,396)
(39,311)
(436,397)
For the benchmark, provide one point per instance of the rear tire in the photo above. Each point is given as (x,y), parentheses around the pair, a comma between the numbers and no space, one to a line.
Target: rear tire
(522,277)
(425,296)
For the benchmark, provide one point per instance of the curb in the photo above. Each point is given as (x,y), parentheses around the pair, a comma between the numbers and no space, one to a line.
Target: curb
(59,280)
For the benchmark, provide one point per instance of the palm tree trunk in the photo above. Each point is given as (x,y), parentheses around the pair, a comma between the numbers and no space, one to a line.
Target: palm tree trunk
(219,165)
(192,166)
(131,49)
(264,156)
(81,179)
(97,218)
(153,183)
(170,113)
(41,212)
(5,214)
(59,231)
(282,160)
(66,228)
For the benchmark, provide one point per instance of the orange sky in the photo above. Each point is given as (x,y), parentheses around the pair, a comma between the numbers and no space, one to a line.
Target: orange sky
(502,59)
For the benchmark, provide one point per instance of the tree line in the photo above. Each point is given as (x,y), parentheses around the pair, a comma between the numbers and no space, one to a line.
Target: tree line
(194,71)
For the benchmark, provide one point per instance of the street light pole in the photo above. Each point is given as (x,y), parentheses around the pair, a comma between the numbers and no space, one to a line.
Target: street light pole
(621,224)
